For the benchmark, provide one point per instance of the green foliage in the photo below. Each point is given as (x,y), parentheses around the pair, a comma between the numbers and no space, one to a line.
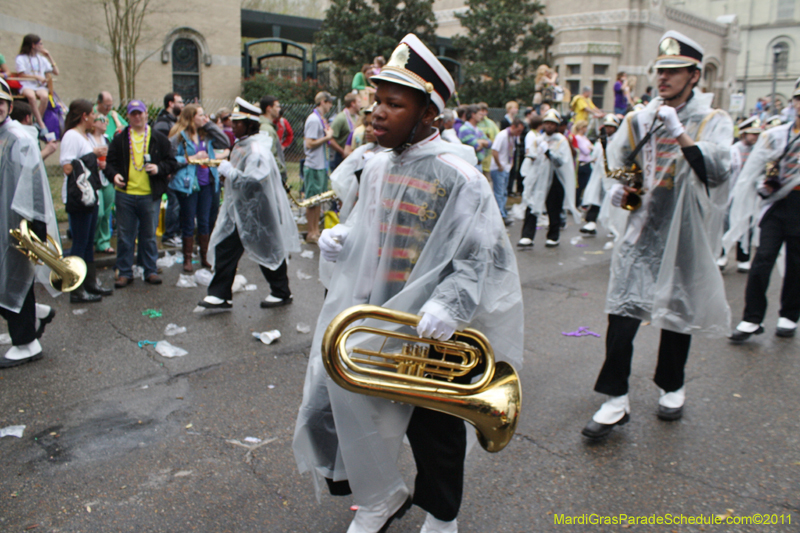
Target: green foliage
(285,90)
(355,31)
(501,34)
(495,94)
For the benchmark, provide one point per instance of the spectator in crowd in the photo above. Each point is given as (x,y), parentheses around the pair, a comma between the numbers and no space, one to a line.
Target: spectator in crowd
(449,133)
(285,132)
(465,152)
(460,111)
(490,129)
(22,113)
(584,149)
(512,110)
(472,136)
(549,182)
(81,162)
(648,95)
(114,122)
(583,107)
(363,133)
(621,94)
(342,126)
(503,148)
(377,64)
(4,72)
(106,193)
(271,109)
(33,64)
(317,133)
(195,138)
(139,163)
(166,119)
(25,191)
(255,217)
(225,122)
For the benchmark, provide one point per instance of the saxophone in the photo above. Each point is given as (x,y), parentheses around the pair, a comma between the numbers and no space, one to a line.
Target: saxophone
(630,176)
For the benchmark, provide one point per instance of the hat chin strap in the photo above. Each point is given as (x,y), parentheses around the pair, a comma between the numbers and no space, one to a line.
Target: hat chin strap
(691,93)
(410,139)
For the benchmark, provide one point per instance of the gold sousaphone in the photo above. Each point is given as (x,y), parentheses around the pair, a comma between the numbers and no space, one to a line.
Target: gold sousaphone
(67,273)
(420,376)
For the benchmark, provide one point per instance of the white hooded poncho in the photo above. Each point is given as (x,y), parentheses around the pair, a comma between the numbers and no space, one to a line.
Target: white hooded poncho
(425,236)
(747,207)
(663,269)
(24,194)
(256,205)
(537,171)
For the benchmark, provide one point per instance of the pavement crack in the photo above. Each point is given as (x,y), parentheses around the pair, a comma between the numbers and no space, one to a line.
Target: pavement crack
(544,448)
(200,370)
(122,333)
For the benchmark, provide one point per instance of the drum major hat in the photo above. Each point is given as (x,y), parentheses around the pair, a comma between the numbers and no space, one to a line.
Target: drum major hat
(412,64)
(751,125)
(245,111)
(675,50)
(552,116)
(5,91)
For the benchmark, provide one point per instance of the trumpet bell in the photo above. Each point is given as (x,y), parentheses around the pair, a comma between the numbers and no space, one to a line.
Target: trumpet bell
(67,272)
(633,202)
(71,276)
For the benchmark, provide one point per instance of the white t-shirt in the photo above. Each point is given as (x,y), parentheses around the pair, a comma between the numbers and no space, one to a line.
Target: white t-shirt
(73,146)
(504,145)
(37,65)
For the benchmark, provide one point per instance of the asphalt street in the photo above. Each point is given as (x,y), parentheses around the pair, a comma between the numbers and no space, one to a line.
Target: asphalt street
(119,438)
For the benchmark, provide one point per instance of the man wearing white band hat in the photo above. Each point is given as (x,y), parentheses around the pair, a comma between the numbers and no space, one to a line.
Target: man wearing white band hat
(663,269)
(773,200)
(425,237)
(595,191)
(255,216)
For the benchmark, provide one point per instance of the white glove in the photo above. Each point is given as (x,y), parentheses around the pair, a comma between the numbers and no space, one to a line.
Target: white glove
(431,327)
(617,191)
(542,148)
(669,117)
(226,169)
(331,241)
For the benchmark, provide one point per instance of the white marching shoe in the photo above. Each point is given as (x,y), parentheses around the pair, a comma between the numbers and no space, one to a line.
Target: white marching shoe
(786,328)
(743,267)
(25,353)
(434,525)
(722,262)
(614,412)
(670,404)
(525,242)
(377,518)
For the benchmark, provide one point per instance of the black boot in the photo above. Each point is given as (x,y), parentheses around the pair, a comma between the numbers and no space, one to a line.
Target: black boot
(92,285)
(80,296)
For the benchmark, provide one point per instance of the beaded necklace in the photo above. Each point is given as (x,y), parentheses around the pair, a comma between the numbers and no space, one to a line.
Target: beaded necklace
(143,148)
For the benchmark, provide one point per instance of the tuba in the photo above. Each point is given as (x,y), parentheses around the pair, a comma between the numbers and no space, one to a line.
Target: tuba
(67,273)
(419,376)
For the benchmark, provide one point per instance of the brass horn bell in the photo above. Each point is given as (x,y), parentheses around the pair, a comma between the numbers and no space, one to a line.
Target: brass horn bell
(422,377)
(67,273)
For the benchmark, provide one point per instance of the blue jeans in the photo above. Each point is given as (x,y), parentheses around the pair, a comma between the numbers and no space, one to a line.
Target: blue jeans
(136,216)
(188,204)
(83,227)
(172,222)
(500,188)
(207,208)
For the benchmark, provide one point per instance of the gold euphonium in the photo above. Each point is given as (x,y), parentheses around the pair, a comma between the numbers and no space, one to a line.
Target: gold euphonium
(67,273)
(418,376)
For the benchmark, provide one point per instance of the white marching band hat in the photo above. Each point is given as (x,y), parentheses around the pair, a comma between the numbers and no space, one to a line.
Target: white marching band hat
(750,125)
(611,120)
(245,111)
(552,116)
(675,50)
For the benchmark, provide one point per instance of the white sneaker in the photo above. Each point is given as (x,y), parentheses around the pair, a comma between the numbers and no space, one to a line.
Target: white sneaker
(525,242)
(613,410)
(743,267)
(434,525)
(672,400)
(722,262)
(373,518)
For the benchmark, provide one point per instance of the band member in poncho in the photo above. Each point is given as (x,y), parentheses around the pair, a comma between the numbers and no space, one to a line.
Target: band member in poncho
(663,268)
(255,217)
(549,181)
(24,195)
(595,190)
(773,200)
(425,237)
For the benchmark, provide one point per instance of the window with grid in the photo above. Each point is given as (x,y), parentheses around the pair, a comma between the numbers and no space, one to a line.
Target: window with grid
(598,92)
(781,56)
(573,70)
(600,70)
(186,69)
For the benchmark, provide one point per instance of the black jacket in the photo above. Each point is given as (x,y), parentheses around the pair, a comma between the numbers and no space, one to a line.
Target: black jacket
(164,122)
(161,154)
(75,203)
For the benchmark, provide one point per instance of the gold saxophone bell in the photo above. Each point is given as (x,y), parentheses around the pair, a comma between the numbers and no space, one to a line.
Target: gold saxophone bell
(67,273)
(629,177)
(418,376)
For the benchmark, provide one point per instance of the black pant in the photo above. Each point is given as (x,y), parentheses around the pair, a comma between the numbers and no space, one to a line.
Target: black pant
(781,224)
(673,351)
(591,214)
(22,325)
(226,258)
(584,175)
(554,204)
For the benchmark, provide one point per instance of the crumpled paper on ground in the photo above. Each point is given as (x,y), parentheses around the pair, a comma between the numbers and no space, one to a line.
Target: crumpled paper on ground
(307,254)
(302,275)
(303,328)
(174,329)
(12,431)
(186,281)
(267,337)
(203,277)
(138,272)
(166,261)
(168,350)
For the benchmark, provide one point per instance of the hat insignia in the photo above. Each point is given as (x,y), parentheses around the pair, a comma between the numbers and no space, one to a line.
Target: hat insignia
(669,47)
(400,56)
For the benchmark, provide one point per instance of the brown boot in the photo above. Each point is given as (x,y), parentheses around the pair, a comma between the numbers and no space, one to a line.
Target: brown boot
(188,245)
(202,240)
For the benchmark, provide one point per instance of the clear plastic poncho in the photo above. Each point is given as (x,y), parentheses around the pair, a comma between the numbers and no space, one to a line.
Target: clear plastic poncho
(747,207)
(594,193)
(256,206)
(612,218)
(663,269)
(425,236)
(24,194)
(537,171)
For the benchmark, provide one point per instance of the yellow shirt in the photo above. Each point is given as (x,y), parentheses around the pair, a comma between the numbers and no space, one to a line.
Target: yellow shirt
(138,180)
(581,105)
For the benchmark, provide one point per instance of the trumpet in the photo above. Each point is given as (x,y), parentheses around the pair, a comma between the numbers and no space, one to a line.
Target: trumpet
(630,177)
(312,201)
(423,377)
(67,273)
(205,162)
